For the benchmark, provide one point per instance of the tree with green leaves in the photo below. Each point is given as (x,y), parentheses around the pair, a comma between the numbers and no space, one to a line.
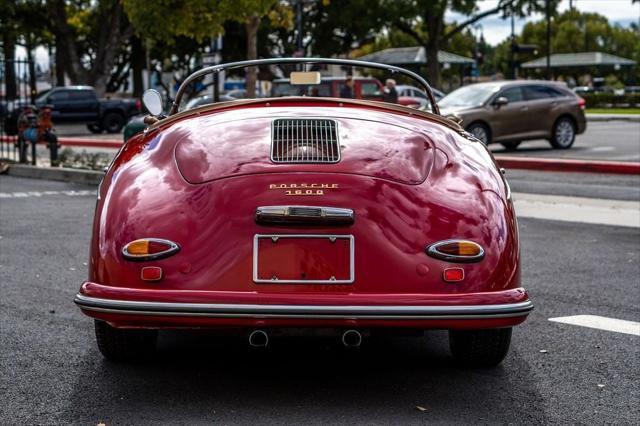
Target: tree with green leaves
(85,42)
(251,12)
(424,21)
(575,31)
(164,21)
(24,23)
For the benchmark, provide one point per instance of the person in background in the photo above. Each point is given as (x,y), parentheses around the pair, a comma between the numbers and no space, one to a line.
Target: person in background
(390,94)
(347,89)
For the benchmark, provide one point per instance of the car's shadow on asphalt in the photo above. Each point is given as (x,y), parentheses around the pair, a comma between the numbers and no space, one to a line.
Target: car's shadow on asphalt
(212,378)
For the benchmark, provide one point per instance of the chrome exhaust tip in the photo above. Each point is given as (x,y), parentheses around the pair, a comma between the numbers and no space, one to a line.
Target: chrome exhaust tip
(351,338)
(258,339)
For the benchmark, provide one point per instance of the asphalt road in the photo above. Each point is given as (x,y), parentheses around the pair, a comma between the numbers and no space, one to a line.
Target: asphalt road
(603,140)
(52,373)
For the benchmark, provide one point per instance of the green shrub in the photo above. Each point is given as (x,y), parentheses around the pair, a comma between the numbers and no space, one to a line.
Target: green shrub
(609,100)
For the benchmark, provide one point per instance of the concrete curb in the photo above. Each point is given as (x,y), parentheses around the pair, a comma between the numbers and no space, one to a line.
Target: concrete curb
(79,142)
(613,117)
(91,143)
(566,165)
(88,177)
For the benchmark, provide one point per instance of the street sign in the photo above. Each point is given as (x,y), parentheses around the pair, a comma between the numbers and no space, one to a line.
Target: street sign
(211,59)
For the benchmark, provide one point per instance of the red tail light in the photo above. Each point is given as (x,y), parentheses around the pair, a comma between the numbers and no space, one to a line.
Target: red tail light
(453,275)
(581,103)
(138,105)
(151,273)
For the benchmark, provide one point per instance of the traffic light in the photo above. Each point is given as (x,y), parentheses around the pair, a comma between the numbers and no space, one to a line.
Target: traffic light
(524,48)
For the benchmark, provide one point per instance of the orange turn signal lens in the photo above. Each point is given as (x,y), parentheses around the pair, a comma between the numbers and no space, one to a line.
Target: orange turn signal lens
(461,251)
(138,248)
(149,249)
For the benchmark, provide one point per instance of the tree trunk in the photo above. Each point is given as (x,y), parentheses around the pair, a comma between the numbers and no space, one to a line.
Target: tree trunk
(60,62)
(252,53)
(137,65)
(433,66)
(67,43)
(435,21)
(33,90)
(109,42)
(9,47)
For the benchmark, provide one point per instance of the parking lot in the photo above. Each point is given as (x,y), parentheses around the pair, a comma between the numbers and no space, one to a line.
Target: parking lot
(555,372)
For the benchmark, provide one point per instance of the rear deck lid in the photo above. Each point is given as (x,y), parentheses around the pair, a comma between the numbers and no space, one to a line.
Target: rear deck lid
(210,150)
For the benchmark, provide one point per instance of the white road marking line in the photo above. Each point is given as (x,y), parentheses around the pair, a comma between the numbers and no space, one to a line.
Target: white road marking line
(578,209)
(601,323)
(601,148)
(43,193)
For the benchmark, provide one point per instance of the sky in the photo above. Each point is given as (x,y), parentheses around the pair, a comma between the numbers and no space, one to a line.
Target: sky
(495,29)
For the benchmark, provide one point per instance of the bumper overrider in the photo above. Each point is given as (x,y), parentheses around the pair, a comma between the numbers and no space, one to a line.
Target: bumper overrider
(515,312)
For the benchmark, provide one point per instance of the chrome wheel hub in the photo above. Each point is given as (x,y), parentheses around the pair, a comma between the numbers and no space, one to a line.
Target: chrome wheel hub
(564,133)
(480,134)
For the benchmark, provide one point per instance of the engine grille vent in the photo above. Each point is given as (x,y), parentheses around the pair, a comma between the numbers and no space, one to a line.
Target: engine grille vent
(304,140)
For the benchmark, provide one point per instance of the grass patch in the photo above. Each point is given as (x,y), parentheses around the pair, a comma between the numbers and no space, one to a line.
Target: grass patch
(612,110)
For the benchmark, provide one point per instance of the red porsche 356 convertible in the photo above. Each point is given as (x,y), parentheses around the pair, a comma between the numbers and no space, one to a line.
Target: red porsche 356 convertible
(272,214)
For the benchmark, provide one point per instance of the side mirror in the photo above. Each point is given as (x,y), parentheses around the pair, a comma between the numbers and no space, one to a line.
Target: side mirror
(500,101)
(152,100)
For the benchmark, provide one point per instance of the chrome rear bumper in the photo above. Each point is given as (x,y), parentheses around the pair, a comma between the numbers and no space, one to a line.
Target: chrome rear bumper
(213,310)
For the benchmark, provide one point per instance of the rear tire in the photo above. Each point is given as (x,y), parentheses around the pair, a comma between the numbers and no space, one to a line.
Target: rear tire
(94,128)
(511,146)
(563,133)
(113,122)
(117,344)
(481,132)
(480,348)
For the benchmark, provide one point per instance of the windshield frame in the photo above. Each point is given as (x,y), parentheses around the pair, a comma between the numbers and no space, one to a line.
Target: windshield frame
(276,61)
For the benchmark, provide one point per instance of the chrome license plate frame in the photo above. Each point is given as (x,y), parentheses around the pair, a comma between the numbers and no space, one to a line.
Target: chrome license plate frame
(350,238)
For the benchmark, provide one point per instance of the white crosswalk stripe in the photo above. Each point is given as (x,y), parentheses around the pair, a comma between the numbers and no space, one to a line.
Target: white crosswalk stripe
(30,194)
(578,209)
(601,323)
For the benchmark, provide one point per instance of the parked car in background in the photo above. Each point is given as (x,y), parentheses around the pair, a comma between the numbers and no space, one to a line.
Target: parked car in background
(509,112)
(363,88)
(414,97)
(206,100)
(80,104)
(136,123)
(237,93)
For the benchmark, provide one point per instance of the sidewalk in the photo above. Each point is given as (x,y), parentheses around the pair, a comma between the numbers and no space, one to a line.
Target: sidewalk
(613,117)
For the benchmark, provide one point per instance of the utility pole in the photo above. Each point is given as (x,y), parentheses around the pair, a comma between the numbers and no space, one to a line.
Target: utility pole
(299,51)
(513,47)
(548,12)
